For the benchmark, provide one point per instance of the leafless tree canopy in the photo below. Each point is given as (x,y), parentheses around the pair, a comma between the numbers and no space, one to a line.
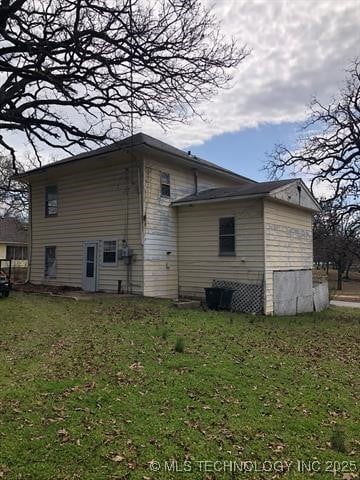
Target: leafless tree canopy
(337,237)
(330,151)
(14,196)
(72,71)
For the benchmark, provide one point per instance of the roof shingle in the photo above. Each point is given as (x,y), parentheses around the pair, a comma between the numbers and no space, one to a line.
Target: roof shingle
(13,231)
(262,188)
(138,141)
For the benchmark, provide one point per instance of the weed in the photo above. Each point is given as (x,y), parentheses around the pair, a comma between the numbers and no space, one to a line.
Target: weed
(180,345)
(337,441)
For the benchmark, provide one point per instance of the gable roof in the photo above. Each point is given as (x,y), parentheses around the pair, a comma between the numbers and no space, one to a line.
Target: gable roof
(140,142)
(13,231)
(247,190)
(274,190)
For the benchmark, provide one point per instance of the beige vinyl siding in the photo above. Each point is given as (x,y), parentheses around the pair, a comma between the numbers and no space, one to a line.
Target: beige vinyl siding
(97,202)
(2,251)
(288,242)
(198,236)
(160,232)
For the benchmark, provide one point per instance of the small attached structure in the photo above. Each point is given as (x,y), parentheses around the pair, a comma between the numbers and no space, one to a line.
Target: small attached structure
(256,239)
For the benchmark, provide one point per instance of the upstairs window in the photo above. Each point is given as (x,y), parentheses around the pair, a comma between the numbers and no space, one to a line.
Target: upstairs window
(165,184)
(227,236)
(50,262)
(51,201)
(110,252)
(15,252)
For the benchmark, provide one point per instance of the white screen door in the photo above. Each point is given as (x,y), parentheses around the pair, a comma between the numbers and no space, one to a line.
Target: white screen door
(90,266)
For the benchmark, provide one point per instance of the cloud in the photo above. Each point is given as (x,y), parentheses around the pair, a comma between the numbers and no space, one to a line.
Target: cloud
(299,49)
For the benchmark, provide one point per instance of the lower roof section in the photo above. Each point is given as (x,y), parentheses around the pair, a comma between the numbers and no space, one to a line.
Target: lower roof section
(292,191)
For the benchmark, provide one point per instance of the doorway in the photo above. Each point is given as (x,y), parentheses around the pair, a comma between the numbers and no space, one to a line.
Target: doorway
(90,266)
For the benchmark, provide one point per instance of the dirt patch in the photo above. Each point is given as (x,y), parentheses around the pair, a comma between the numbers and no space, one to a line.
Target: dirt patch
(57,290)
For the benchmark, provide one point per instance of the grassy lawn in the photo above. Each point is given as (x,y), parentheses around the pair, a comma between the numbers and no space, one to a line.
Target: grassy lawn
(95,390)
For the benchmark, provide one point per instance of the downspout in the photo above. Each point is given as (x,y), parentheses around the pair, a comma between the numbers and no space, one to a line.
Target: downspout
(177,251)
(28,276)
(143,222)
(141,207)
(196,188)
(265,260)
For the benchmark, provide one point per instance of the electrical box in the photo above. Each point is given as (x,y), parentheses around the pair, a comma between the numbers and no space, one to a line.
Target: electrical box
(126,254)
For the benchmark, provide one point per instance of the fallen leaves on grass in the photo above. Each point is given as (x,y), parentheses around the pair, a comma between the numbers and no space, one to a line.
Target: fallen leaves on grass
(118,458)
(63,435)
(136,366)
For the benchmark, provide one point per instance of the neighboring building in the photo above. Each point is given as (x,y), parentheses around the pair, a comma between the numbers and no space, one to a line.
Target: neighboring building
(166,224)
(13,242)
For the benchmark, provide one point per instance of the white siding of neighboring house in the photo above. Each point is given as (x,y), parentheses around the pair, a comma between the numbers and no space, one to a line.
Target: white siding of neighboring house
(97,201)
(288,242)
(14,263)
(160,267)
(199,260)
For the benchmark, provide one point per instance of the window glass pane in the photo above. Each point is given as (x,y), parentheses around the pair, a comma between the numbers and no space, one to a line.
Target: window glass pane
(50,262)
(16,253)
(165,178)
(227,244)
(227,235)
(9,252)
(165,184)
(227,226)
(165,190)
(90,269)
(51,198)
(109,257)
(109,253)
(90,254)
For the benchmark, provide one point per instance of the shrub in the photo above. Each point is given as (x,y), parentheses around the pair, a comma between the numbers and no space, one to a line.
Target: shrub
(164,333)
(180,345)
(337,441)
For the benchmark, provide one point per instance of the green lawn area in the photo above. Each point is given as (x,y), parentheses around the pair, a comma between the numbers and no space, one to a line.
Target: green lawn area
(95,390)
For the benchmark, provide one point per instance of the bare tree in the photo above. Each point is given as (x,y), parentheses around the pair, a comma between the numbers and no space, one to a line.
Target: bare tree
(14,196)
(337,238)
(73,72)
(329,150)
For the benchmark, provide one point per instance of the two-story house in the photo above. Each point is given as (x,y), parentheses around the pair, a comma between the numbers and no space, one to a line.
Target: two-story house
(143,217)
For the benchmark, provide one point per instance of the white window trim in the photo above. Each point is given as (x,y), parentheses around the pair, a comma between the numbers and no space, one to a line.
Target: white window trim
(47,214)
(227,254)
(167,184)
(110,264)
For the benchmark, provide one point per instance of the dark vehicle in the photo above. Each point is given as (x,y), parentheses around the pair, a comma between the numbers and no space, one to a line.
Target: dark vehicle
(5,283)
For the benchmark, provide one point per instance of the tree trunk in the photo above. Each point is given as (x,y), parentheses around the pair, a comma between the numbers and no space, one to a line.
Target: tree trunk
(347,271)
(339,276)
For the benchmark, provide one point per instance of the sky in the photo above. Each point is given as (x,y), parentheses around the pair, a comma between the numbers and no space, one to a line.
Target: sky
(300,49)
